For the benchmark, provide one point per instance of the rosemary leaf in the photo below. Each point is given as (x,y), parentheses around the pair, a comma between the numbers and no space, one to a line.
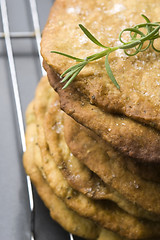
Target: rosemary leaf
(151,34)
(110,74)
(130,45)
(146,18)
(68,76)
(91,37)
(72,68)
(69,56)
(73,77)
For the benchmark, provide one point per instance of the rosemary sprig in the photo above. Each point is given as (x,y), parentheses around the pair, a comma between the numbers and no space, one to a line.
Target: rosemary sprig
(137,40)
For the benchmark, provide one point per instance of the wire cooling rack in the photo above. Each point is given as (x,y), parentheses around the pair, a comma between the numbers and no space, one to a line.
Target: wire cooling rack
(7,36)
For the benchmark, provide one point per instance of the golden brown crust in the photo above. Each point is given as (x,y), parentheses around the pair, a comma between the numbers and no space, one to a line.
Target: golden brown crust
(147,170)
(67,218)
(138,76)
(125,135)
(76,173)
(110,166)
(105,213)
(50,123)
(78,176)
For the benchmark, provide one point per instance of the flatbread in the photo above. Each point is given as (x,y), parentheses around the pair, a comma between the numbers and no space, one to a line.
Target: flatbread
(125,135)
(105,213)
(138,97)
(74,171)
(148,171)
(50,121)
(76,108)
(67,218)
(138,76)
(110,166)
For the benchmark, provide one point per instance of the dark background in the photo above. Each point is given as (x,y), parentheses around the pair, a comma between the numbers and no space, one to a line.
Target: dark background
(15,217)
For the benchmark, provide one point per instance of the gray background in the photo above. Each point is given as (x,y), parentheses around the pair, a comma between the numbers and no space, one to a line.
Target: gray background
(14,205)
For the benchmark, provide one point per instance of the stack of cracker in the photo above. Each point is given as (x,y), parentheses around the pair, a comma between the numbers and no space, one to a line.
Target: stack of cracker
(93,151)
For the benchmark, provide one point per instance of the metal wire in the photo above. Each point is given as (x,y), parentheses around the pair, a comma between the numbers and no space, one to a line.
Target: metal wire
(7,35)
(36,29)
(19,34)
(7,38)
(13,71)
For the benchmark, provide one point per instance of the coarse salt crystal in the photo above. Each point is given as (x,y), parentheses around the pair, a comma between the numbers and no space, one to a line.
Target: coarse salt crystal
(83,39)
(75,10)
(116,8)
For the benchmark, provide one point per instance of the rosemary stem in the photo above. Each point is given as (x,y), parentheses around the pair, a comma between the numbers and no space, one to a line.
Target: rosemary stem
(101,54)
